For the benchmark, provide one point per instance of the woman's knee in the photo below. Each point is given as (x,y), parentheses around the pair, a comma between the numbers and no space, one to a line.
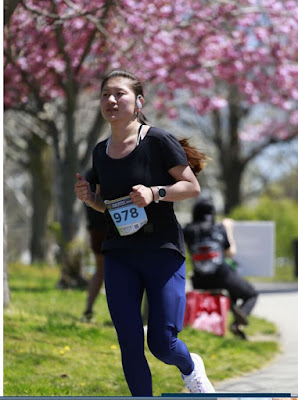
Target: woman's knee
(130,342)
(162,345)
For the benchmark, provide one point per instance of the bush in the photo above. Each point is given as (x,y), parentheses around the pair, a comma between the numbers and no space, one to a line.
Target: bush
(283,212)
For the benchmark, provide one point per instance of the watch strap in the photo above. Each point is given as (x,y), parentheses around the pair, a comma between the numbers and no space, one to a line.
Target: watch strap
(157,200)
(159,197)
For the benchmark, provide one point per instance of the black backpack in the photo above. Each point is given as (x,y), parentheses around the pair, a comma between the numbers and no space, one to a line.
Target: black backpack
(207,250)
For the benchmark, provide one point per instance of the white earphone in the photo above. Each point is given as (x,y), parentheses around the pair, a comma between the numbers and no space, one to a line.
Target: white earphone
(138,103)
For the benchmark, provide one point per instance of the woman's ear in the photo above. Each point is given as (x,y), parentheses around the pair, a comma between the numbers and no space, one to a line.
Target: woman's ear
(140,101)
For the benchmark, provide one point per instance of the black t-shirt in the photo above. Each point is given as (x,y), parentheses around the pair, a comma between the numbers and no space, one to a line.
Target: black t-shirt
(95,219)
(193,232)
(147,164)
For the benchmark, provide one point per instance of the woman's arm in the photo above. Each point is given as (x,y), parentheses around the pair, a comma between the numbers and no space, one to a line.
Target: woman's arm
(99,204)
(84,193)
(186,187)
(228,223)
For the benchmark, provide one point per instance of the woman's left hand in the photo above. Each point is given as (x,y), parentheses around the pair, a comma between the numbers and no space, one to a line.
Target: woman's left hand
(141,195)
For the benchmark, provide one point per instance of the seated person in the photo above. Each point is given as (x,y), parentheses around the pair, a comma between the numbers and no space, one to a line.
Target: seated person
(211,246)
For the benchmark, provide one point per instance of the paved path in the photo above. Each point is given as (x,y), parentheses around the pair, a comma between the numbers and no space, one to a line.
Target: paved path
(277,303)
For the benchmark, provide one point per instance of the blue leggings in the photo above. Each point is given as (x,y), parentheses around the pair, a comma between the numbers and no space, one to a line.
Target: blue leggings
(162,274)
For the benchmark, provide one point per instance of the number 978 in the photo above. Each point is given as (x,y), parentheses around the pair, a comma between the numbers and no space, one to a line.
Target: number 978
(123,215)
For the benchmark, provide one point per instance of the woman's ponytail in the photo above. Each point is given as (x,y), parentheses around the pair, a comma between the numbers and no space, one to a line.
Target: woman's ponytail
(196,159)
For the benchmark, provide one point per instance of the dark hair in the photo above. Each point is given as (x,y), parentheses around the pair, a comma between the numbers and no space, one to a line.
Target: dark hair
(135,85)
(202,208)
(196,159)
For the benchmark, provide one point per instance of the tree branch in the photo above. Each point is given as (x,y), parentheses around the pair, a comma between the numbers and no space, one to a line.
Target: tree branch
(9,7)
(56,16)
(92,137)
(29,83)
(272,140)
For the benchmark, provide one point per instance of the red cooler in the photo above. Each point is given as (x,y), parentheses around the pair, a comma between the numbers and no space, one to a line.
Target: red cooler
(207,311)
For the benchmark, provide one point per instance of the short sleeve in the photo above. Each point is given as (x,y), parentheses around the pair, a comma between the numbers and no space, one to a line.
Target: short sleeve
(97,155)
(172,152)
(89,176)
(222,230)
(95,180)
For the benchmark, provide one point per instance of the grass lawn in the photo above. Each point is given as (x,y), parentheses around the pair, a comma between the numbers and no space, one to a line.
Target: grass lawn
(48,352)
(282,273)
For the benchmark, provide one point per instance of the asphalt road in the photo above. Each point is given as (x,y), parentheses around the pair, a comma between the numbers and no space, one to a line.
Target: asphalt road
(277,303)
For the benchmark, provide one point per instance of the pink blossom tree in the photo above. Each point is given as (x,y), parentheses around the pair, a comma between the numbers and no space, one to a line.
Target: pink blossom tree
(47,71)
(225,56)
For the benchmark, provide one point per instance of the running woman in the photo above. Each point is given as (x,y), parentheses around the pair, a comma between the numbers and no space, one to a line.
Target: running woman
(140,170)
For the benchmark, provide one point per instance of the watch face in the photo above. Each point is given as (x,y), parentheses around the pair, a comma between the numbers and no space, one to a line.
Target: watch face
(161,192)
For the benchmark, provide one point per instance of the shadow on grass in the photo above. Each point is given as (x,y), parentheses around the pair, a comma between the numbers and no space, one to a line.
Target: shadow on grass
(44,289)
(38,289)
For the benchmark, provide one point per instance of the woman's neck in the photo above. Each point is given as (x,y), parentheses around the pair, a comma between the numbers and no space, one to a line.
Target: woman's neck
(123,140)
(122,133)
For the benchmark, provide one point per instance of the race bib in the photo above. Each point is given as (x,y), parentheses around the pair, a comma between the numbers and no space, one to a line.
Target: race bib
(128,218)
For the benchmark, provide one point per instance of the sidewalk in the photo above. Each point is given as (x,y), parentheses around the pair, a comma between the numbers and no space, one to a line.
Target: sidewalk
(277,303)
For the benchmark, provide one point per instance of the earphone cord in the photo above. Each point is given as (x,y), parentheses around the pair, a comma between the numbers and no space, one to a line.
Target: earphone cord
(139,135)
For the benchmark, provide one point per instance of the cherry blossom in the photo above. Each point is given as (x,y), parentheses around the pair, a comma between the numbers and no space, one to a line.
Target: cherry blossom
(186,44)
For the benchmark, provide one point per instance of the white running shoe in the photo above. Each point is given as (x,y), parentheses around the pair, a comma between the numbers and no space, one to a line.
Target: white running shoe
(197,381)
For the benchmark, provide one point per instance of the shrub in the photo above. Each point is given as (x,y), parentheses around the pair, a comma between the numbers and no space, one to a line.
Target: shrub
(283,212)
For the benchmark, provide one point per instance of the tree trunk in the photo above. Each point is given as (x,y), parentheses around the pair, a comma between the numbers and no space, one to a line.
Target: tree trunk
(232,177)
(41,169)
(67,197)
(6,291)
(230,156)
(9,7)
(71,253)
(67,216)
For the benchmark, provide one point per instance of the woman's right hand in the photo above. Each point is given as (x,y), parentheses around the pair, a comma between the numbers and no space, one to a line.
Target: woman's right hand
(83,190)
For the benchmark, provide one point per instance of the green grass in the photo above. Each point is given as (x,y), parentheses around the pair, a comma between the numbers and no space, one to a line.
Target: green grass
(285,273)
(48,352)
(282,273)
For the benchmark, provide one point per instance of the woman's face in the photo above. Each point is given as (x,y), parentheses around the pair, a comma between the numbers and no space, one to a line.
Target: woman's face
(118,101)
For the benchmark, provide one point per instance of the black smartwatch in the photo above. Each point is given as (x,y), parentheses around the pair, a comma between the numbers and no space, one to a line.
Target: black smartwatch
(161,193)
